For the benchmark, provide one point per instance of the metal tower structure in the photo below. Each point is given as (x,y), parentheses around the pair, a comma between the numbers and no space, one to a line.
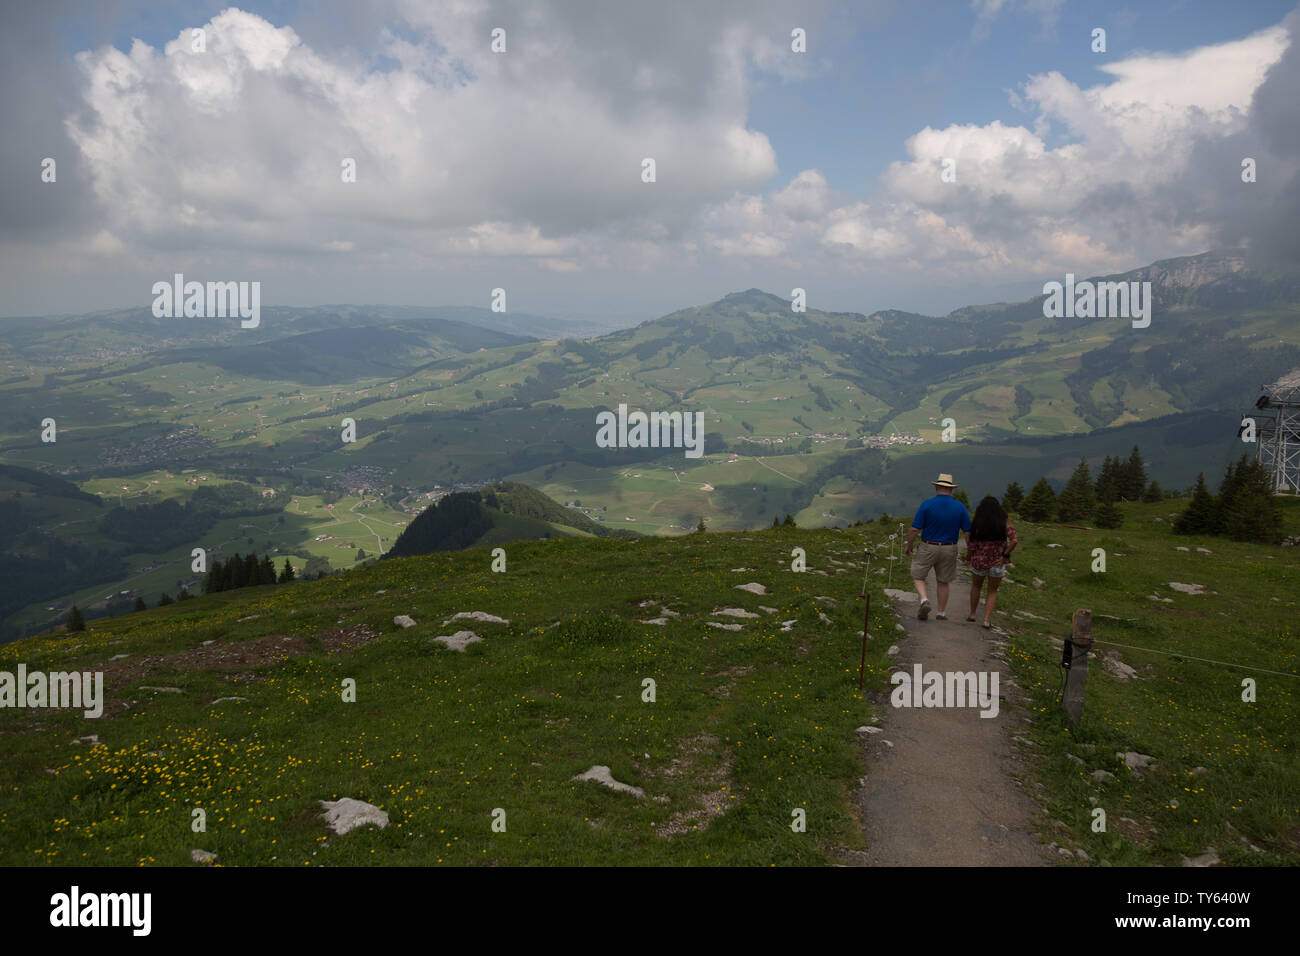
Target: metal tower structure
(1278,434)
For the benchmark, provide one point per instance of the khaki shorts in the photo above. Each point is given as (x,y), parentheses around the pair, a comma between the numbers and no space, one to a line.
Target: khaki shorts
(941,557)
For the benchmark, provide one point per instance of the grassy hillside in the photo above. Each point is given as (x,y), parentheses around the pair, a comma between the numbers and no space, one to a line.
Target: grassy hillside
(747,724)
(442,405)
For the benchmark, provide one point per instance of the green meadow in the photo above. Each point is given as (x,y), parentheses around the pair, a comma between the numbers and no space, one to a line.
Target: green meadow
(747,724)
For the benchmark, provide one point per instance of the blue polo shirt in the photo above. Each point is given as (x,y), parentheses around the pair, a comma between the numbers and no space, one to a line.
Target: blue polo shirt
(941,518)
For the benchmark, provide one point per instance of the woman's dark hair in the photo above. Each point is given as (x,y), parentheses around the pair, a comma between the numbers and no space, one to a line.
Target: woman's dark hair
(990,521)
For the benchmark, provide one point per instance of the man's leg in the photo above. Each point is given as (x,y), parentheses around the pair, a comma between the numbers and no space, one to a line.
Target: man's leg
(945,569)
(922,559)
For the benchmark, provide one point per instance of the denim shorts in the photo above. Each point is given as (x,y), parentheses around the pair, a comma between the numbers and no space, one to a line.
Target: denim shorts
(997,571)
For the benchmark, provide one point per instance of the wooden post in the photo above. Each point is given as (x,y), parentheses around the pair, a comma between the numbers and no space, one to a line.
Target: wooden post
(1077,675)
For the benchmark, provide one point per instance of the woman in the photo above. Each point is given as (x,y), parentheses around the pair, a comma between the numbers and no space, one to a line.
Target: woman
(988,547)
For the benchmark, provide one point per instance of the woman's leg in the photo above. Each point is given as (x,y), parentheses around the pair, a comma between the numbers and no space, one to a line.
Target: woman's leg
(976,582)
(992,599)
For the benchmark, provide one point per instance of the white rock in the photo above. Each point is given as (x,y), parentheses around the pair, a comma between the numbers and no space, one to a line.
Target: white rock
(1209,858)
(348,814)
(1187,588)
(1101,776)
(893,650)
(899,627)
(404,620)
(789,625)
(1134,760)
(769,610)
(660,621)
(202,856)
(1181,548)
(222,700)
(118,657)
(92,739)
(735,612)
(602,775)
(894,594)
(1119,669)
(752,587)
(460,640)
(725,627)
(1039,583)
(870,730)
(476,616)
(1205,551)
(1056,545)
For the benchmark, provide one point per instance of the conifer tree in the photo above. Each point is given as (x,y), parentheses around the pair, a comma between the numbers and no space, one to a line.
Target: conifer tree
(1107,515)
(76,620)
(1108,480)
(286,572)
(1078,499)
(1154,492)
(1198,516)
(1132,477)
(1012,498)
(1040,503)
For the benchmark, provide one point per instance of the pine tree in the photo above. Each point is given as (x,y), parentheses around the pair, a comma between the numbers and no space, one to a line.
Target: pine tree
(1225,502)
(184,595)
(1107,515)
(1078,499)
(1040,504)
(776,521)
(1252,512)
(212,580)
(1132,476)
(789,521)
(165,599)
(1154,492)
(1012,498)
(1108,480)
(286,572)
(140,605)
(1198,516)
(76,620)
(960,495)
(266,570)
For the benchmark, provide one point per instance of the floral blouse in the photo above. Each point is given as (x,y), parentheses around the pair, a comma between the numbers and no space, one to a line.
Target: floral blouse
(988,554)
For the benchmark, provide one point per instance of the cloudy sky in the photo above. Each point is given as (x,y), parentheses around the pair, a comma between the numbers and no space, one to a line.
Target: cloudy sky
(522,169)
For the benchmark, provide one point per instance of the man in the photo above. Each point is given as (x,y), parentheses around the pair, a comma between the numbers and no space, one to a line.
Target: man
(938,522)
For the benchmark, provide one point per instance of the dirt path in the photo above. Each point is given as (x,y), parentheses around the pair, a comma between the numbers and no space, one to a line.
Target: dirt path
(945,793)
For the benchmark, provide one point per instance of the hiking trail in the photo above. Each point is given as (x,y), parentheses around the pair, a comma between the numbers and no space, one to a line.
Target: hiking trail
(946,793)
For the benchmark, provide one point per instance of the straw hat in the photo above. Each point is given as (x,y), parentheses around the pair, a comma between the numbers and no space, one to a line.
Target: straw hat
(944,481)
